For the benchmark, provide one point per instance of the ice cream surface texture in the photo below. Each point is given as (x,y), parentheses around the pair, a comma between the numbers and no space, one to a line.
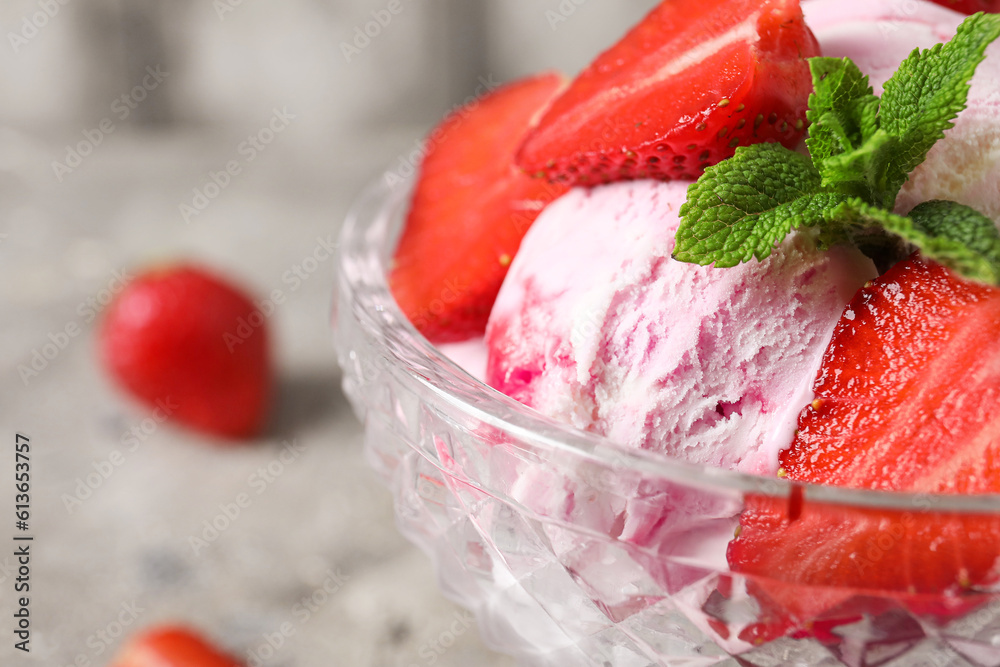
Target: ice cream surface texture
(878,35)
(597,326)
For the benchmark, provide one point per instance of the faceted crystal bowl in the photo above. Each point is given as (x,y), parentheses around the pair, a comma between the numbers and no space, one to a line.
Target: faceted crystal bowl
(574,551)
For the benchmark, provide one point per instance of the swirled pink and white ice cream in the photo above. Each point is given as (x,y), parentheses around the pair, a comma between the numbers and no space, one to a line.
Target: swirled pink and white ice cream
(597,326)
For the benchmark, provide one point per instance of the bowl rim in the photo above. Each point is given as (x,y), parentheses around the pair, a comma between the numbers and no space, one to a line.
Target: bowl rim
(366,239)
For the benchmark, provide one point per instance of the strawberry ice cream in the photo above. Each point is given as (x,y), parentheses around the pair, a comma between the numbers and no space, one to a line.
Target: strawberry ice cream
(743,366)
(877,36)
(597,326)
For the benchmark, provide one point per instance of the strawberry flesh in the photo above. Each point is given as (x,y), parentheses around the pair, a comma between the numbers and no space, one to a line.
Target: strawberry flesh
(470,210)
(970,6)
(905,401)
(680,92)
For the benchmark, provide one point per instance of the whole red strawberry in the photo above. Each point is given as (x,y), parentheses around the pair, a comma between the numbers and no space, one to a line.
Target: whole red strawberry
(170,646)
(194,347)
(905,401)
(679,93)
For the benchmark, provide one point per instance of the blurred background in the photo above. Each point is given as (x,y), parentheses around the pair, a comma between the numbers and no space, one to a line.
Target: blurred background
(117,118)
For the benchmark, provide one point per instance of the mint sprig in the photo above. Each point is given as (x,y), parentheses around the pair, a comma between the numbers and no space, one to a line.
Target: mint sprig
(842,109)
(861,152)
(746,206)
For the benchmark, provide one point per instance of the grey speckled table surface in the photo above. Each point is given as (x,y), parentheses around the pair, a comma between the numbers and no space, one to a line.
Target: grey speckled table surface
(312,572)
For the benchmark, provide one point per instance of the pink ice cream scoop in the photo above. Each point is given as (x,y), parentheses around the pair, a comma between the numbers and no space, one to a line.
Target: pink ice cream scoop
(597,326)
(878,35)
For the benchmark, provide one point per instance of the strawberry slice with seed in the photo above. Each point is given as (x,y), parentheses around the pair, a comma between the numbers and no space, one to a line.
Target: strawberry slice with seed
(680,92)
(906,400)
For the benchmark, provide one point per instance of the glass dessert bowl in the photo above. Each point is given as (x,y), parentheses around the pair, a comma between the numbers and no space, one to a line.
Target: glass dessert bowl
(572,550)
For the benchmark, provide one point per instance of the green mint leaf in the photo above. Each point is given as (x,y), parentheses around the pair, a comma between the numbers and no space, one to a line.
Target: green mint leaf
(927,92)
(743,206)
(865,110)
(963,225)
(960,223)
(951,234)
(756,235)
(844,141)
(840,108)
(858,215)
(861,172)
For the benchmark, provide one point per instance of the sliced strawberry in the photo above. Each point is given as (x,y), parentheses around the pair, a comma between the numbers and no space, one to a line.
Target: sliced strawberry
(970,6)
(470,211)
(906,401)
(680,92)
(805,572)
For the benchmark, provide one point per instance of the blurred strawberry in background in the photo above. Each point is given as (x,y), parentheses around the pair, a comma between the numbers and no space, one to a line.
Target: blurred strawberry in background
(172,646)
(189,344)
